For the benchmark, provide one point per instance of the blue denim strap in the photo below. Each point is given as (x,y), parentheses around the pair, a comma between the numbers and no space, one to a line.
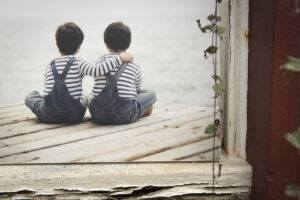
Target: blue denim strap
(112,80)
(117,75)
(54,71)
(63,75)
(69,64)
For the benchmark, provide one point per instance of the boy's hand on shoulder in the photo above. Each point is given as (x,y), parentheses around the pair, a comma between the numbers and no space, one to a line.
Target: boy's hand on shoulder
(126,57)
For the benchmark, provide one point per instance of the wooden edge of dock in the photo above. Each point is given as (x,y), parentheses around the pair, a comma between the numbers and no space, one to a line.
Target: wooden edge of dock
(126,180)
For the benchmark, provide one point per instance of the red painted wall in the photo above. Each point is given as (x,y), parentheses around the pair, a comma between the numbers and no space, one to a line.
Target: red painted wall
(273,104)
(284,163)
(259,92)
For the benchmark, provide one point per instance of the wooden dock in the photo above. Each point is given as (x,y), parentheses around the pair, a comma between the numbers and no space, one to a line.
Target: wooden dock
(173,132)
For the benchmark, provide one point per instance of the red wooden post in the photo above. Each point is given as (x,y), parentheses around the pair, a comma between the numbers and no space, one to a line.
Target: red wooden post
(273,104)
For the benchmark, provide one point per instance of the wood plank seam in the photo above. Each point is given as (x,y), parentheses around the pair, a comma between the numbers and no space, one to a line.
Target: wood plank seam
(194,154)
(169,147)
(31,132)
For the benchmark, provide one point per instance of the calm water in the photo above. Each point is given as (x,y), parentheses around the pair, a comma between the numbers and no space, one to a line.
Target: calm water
(168,47)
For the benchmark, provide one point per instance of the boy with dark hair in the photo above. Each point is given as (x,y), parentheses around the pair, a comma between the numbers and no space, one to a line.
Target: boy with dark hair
(117,96)
(63,101)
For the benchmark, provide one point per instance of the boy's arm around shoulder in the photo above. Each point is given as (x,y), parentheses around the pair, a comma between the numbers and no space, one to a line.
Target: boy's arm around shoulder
(103,65)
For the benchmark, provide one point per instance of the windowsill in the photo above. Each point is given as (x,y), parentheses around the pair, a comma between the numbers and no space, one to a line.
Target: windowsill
(141,180)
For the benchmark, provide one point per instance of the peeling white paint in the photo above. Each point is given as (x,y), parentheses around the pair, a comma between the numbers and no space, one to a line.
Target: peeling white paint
(234,70)
(142,180)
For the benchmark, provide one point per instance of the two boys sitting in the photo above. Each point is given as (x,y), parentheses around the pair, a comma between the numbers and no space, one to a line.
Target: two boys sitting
(116,98)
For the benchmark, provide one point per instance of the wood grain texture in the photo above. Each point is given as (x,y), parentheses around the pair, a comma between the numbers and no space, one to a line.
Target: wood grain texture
(125,181)
(173,132)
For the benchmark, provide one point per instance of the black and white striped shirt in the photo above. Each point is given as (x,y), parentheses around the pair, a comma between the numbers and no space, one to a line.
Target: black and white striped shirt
(79,68)
(128,84)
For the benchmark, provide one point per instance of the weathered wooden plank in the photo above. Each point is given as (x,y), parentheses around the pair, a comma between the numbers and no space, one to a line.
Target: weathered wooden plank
(163,180)
(110,132)
(32,126)
(206,156)
(15,113)
(23,128)
(58,131)
(184,152)
(15,119)
(136,147)
(50,132)
(68,130)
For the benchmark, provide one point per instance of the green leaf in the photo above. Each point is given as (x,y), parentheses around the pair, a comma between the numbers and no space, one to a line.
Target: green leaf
(211,17)
(294,138)
(216,77)
(291,67)
(211,128)
(292,190)
(293,64)
(220,30)
(211,49)
(207,27)
(294,60)
(219,89)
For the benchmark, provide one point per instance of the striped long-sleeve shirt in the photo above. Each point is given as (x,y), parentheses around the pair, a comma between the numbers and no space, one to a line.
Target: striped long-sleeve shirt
(128,84)
(79,68)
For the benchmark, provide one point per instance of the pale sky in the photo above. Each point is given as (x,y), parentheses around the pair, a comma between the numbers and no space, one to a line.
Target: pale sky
(98,8)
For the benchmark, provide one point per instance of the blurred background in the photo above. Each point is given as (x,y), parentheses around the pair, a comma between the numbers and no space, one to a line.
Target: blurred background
(166,43)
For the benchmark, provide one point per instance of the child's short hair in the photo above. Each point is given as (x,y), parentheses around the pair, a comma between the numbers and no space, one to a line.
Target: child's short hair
(117,36)
(68,38)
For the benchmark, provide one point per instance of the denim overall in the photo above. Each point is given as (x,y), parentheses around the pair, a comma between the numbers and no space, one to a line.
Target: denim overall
(59,106)
(109,108)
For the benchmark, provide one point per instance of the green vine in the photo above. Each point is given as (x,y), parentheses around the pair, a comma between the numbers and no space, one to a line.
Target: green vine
(218,86)
(215,127)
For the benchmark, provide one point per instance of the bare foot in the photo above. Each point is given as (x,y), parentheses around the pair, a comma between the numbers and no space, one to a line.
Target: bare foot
(148,113)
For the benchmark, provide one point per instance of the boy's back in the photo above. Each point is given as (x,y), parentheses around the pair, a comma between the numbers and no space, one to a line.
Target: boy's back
(117,97)
(59,105)
(128,84)
(73,79)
